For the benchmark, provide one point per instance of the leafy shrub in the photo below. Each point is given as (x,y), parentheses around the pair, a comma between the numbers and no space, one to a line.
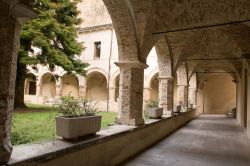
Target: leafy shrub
(20,137)
(76,107)
(152,104)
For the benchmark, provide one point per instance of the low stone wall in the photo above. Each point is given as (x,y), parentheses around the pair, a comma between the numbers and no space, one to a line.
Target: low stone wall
(110,147)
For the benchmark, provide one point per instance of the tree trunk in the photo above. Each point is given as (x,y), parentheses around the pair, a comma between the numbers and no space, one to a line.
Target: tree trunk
(19,90)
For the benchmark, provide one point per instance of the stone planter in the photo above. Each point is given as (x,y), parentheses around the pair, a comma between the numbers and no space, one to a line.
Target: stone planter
(155,113)
(73,128)
(176,110)
(190,106)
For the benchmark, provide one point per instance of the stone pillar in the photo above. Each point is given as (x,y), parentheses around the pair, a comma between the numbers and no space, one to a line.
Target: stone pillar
(38,88)
(192,93)
(12,15)
(9,46)
(131,92)
(166,94)
(82,91)
(112,94)
(182,95)
(59,87)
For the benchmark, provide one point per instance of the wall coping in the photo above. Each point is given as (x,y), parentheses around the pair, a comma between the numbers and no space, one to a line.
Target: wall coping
(48,150)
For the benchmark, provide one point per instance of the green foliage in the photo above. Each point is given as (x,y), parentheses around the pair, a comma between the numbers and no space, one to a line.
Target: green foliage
(76,107)
(21,137)
(54,33)
(152,104)
(33,126)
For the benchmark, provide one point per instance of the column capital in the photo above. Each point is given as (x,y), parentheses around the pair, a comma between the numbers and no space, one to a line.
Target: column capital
(131,64)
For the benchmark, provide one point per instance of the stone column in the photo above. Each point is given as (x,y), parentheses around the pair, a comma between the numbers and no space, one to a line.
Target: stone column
(82,91)
(192,95)
(112,94)
(59,87)
(9,46)
(38,90)
(182,95)
(166,94)
(131,92)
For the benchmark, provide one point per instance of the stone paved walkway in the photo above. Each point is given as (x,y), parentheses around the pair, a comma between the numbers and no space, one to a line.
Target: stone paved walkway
(210,140)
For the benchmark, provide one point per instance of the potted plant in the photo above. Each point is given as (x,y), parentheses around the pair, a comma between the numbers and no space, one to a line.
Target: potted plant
(153,111)
(176,110)
(78,118)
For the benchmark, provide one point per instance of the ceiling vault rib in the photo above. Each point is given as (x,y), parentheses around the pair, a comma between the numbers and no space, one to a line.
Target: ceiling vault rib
(211,59)
(201,27)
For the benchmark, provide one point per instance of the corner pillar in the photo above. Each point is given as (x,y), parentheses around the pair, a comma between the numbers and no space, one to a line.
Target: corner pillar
(9,47)
(131,92)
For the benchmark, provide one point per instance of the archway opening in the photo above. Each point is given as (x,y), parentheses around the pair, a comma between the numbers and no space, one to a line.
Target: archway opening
(154,88)
(30,84)
(48,85)
(219,94)
(70,85)
(97,87)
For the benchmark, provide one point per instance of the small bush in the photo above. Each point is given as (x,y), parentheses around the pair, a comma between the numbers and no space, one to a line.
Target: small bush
(152,104)
(20,137)
(76,107)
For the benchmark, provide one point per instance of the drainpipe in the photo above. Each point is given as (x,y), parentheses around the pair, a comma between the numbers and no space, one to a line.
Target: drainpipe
(110,56)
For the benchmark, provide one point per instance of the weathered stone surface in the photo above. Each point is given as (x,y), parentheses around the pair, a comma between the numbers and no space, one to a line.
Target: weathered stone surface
(9,37)
(166,94)
(131,92)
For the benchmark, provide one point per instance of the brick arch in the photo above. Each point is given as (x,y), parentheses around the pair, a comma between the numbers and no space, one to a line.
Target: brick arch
(164,58)
(182,75)
(126,32)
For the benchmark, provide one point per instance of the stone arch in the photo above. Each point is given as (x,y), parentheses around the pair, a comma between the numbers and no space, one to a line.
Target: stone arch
(182,75)
(123,20)
(165,58)
(48,85)
(97,70)
(96,88)
(70,85)
(30,84)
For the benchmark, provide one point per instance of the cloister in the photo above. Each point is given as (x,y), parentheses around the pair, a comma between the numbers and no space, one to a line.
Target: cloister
(202,52)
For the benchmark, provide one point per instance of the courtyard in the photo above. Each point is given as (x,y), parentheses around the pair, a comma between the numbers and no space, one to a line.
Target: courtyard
(37,123)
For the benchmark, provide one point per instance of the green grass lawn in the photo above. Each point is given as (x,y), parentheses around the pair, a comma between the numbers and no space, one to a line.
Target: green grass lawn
(37,126)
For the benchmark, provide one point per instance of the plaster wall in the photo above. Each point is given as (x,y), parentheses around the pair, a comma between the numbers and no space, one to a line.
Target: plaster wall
(95,13)
(70,86)
(220,94)
(97,88)
(48,86)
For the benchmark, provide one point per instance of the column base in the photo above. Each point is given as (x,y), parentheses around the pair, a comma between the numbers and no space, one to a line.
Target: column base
(6,151)
(130,122)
